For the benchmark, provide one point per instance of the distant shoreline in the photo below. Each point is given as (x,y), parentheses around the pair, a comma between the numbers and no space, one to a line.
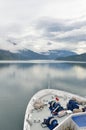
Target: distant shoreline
(40,61)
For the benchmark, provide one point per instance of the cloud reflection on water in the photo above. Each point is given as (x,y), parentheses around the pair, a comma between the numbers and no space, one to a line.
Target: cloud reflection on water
(27,77)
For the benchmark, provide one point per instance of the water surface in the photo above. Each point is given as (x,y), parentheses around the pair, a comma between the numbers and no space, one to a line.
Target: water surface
(20,81)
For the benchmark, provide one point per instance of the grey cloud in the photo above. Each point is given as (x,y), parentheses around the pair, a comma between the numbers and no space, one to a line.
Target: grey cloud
(14,43)
(52,26)
(49,43)
(73,39)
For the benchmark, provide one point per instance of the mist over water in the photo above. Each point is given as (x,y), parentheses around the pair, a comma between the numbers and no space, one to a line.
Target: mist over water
(19,82)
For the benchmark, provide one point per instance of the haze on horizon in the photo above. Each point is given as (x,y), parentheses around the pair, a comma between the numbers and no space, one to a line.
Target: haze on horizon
(42,25)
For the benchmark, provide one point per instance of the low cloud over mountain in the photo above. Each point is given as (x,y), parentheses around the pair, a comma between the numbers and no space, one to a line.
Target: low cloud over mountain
(49,34)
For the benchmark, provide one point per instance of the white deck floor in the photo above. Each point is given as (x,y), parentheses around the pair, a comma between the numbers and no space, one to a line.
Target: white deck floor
(39,115)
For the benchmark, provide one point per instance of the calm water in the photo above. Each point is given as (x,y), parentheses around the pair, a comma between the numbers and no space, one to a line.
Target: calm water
(20,81)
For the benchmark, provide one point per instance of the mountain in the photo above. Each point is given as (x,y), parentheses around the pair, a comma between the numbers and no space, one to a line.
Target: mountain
(21,55)
(81,57)
(53,54)
(28,54)
(6,55)
(31,55)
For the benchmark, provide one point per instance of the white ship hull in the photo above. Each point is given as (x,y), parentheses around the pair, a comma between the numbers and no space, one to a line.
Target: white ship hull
(34,117)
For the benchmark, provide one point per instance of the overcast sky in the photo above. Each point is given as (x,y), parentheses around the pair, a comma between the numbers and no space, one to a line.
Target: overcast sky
(42,25)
